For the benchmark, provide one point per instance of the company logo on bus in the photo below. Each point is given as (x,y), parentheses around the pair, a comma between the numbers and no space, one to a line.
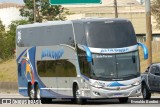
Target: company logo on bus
(121,50)
(52,54)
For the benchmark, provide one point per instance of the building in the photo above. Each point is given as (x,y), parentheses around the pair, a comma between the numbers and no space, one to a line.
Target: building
(9,12)
(129,9)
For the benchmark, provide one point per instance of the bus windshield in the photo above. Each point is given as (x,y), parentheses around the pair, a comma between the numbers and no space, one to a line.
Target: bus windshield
(108,34)
(115,67)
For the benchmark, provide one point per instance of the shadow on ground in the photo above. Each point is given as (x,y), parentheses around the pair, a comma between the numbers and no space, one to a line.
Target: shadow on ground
(102,101)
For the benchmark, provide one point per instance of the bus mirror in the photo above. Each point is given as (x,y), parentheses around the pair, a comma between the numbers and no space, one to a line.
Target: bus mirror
(88,53)
(145,50)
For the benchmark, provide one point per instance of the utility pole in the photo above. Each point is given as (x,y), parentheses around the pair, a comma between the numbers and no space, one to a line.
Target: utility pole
(148,30)
(34,11)
(115,8)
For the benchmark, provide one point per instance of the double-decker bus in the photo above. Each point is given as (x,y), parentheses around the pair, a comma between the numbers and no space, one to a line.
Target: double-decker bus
(79,59)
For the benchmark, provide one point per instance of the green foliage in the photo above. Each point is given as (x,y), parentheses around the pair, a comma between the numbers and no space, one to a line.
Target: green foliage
(7,39)
(2,40)
(44,11)
(156,11)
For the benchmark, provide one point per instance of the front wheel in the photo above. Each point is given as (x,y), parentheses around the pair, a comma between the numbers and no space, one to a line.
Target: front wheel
(145,92)
(123,100)
(76,93)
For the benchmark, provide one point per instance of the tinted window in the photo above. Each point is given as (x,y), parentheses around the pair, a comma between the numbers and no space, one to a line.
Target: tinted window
(128,64)
(84,67)
(45,35)
(83,64)
(110,34)
(80,33)
(104,66)
(59,68)
(157,72)
(153,70)
(120,66)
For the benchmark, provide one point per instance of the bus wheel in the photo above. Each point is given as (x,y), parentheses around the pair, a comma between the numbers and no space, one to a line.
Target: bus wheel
(31,92)
(123,100)
(145,92)
(37,92)
(76,93)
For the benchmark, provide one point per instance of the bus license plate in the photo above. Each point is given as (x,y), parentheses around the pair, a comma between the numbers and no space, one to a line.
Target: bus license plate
(118,95)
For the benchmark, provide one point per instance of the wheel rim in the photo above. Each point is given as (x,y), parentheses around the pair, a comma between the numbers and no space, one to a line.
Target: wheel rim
(38,94)
(77,93)
(32,93)
(144,92)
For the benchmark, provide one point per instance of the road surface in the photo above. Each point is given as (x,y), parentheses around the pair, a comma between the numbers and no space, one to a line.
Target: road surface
(90,103)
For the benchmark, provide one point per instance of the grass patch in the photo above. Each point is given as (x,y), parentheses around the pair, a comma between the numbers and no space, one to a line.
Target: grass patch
(8,71)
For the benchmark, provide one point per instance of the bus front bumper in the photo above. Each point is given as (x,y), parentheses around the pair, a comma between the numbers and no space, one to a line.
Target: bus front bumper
(135,91)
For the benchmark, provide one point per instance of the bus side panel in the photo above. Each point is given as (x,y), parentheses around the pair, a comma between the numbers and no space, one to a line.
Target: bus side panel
(55,87)
(26,70)
(48,85)
(22,81)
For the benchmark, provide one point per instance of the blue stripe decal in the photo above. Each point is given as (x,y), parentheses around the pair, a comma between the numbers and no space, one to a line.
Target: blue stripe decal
(20,55)
(145,50)
(85,77)
(114,84)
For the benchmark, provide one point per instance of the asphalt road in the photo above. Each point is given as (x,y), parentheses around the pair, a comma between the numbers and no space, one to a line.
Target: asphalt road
(90,103)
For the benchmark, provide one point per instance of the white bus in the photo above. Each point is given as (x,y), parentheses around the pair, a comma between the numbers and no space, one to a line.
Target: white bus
(79,59)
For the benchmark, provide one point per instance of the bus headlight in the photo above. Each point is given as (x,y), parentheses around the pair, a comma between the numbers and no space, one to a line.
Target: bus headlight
(98,84)
(136,83)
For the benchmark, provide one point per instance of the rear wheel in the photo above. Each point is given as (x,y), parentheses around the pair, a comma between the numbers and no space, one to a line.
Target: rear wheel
(76,94)
(31,92)
(37,92)
(123,100)
(145,92)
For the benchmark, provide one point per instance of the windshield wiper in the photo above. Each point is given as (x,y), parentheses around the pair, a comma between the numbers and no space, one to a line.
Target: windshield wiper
(129,75)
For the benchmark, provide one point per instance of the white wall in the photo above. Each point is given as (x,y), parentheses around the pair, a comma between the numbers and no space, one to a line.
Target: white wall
(9,14)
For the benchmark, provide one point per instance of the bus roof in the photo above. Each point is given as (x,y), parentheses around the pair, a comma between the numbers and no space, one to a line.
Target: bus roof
(49,23)
(83,20)
(101,19)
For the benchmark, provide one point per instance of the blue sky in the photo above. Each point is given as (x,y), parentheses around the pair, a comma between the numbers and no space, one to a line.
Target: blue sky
(12,1)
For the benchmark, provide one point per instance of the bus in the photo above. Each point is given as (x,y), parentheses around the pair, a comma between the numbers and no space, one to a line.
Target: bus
(81,59)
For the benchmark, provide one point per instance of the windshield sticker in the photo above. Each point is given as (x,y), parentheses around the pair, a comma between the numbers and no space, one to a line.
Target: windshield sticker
(102,56)
(114,50)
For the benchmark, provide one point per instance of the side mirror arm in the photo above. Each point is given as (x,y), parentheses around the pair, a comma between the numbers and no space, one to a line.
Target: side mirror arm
(88,53)
(145,50)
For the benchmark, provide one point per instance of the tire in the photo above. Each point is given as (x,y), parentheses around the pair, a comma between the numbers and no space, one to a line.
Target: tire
(31,92)
(46,100)
(77,99)
(37,93)
(123,100)
(145,92)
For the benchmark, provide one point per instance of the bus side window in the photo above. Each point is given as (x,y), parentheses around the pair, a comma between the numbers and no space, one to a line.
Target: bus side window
(56,68)
(70,69)
(84,67)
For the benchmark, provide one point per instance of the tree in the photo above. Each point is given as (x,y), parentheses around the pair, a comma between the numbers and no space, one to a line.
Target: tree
(10,36)
(156,11)
(7,39)
(2,40)
(44,11)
